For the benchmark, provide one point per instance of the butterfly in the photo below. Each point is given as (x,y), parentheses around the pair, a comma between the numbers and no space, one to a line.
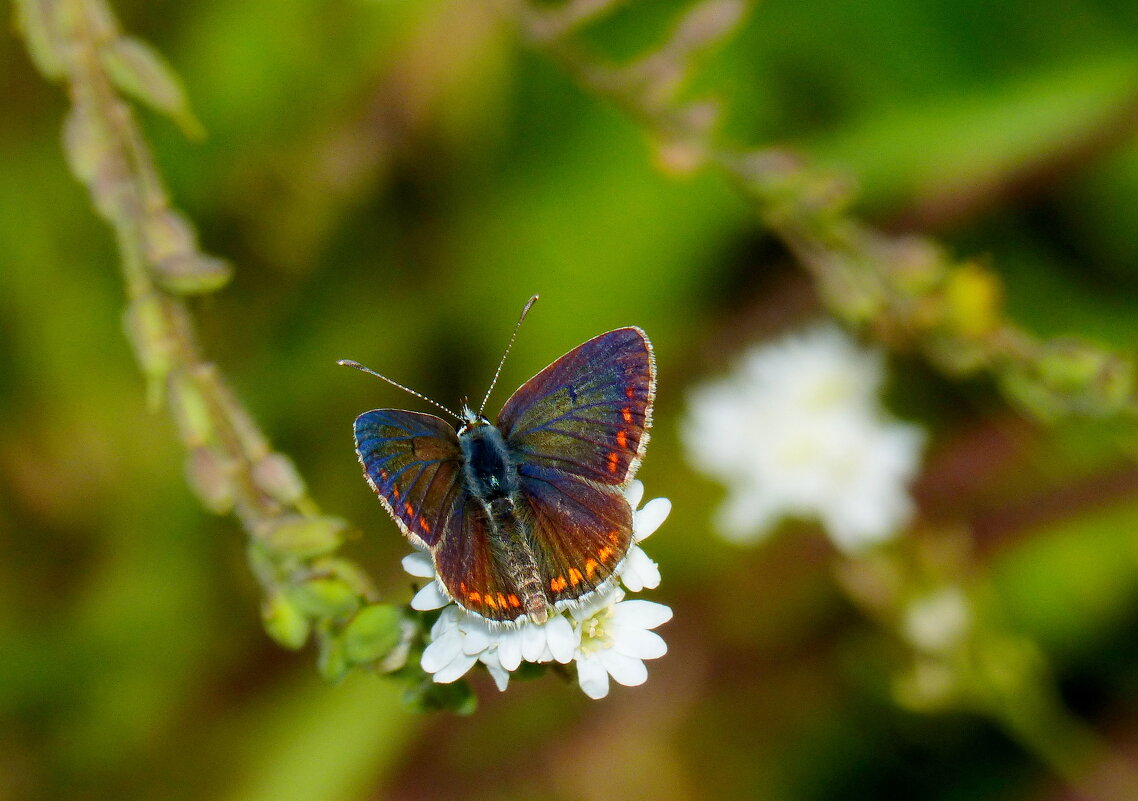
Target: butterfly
(526,516)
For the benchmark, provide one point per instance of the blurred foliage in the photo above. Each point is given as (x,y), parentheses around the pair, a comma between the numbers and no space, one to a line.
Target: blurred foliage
(390,180)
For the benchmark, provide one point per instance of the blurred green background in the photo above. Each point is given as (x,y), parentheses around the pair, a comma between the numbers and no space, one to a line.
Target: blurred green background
(392,179)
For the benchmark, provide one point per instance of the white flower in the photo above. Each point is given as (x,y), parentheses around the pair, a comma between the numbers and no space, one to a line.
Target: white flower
(615,640)
(607,635)
(798,430)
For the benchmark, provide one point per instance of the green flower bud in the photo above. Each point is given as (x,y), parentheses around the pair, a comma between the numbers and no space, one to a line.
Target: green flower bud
(276,475)
(323,597)
(373,633)
(191,273)
(303,537)
(284,622)
(138,70)
(211,476)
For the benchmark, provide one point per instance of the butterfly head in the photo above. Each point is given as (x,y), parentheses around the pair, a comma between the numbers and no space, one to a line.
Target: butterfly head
(470,419)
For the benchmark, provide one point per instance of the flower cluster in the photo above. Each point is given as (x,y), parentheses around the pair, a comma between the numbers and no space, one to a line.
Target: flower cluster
(606,636)
(798,430)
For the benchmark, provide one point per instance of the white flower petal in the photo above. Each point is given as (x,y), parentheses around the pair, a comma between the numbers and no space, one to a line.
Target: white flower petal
(430,597)
(626,670)
(419,564)
(500,675)
(476,639)
(645,521)
(638,643)
(641,614)
(593,677)
(533,643)
(441,652)
(562,639)
(639,571)
(454,670)
(634,492)
(510,650)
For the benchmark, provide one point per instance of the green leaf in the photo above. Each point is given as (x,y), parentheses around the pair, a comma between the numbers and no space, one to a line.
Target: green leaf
(426,696)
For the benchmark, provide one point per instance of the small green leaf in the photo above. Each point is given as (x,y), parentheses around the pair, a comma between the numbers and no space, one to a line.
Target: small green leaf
(373,633)
(137,69)
(426,696)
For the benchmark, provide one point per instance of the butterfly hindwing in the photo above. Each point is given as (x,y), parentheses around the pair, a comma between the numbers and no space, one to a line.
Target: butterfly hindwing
(588,413)
(468,565)
(414,463)
(580,530)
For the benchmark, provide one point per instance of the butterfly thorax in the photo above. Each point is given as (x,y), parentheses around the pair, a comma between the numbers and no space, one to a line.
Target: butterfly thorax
(489,471)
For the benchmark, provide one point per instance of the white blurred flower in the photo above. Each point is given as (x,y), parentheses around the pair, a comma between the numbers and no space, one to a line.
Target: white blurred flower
(798,430)
(607,635)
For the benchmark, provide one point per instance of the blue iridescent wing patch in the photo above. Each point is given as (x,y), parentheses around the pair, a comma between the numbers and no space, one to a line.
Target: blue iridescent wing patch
(414,464)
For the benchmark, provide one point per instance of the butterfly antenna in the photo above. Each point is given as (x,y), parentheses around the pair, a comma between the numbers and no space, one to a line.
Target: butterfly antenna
(369,371)
(509,345)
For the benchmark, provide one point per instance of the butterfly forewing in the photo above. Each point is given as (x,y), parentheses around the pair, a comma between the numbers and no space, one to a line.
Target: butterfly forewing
(588,413)
(413,462)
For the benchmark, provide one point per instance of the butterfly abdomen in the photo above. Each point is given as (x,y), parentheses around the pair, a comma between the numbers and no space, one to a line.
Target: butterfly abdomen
(517,557)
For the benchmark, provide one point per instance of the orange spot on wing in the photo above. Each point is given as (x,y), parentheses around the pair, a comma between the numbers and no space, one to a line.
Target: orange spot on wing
(474,597)
(575,576)
(514,602)
(409,509)
(630,392)
(626,413)
(423,523)
(614,461)
(395,492)
(490,602)
(383,474)
(622,439)
(591,566)
(614,536)
(462,587)
(603,553)
(558,584)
